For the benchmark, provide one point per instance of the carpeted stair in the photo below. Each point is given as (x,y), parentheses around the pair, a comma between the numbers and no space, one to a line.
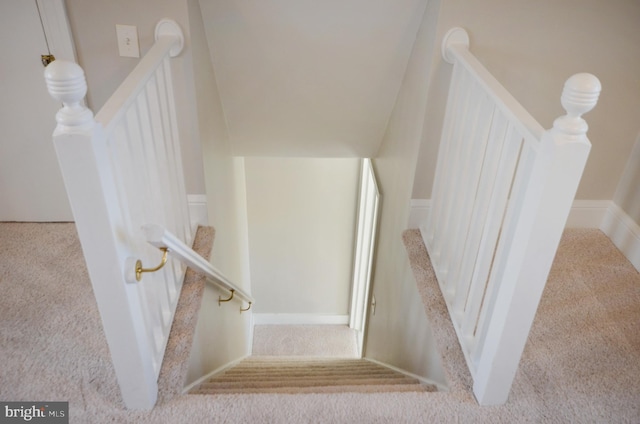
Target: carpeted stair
(278,374)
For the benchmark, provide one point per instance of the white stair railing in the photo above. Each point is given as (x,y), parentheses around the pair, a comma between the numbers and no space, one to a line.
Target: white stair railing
(161,238)
(501,197)
(122,170)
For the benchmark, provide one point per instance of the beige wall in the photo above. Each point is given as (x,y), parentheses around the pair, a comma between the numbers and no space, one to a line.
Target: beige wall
(399,333)
(222,334)
(532,48)
(93,26)
(223,174)
(302,214)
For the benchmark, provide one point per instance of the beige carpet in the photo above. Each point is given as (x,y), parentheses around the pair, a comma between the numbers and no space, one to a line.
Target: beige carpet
(582,362)
(298,374)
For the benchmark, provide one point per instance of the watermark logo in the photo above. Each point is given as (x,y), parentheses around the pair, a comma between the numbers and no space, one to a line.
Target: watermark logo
(34,412)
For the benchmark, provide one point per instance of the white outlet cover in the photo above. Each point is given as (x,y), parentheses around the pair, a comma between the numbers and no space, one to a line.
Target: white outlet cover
(127,40)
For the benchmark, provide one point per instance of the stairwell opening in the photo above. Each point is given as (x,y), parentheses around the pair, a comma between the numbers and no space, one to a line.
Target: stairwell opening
(304,221)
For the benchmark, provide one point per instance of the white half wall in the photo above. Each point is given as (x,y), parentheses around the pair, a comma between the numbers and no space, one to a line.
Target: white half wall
(605,215)
(301,215)
(583,214)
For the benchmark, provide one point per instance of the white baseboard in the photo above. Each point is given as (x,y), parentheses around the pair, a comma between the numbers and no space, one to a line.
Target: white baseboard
(419,212)
(623,232)
(198,213)
(587,213)
(300,319)
(423,380)
(584,213)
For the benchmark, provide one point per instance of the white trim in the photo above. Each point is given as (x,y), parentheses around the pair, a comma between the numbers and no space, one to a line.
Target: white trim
(300,319)
(218,370)
(419,212)
(56,29)
(423,380)
(364,250)
(198,213)
(623,232)
(587,213)
(583,214)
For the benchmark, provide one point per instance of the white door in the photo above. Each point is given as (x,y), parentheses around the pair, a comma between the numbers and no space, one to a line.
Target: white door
(368,206)
(31,187)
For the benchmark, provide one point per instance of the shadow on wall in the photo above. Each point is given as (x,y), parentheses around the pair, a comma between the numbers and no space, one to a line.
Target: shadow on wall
(628,192)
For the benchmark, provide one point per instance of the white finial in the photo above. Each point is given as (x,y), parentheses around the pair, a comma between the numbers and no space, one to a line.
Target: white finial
(579,96)
(66,83)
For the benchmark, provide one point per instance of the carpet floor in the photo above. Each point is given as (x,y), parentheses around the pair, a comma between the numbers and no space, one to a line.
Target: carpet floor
(299,374)
(581,364)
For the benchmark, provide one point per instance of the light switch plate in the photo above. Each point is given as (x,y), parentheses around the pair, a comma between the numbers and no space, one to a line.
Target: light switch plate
(128,40)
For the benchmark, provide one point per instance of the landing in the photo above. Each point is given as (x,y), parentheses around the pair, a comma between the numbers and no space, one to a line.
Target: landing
(305,340)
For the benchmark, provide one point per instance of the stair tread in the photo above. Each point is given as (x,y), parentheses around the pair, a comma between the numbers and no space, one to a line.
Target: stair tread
(319,389)
(309,375)
(310,382)
(302,375)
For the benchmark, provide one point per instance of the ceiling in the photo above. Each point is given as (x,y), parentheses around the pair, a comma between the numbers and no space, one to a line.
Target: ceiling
(309,78)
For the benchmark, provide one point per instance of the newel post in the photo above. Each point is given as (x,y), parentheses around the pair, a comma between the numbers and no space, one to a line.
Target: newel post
(66,83)
(579,96)
(533,238)
(83,155)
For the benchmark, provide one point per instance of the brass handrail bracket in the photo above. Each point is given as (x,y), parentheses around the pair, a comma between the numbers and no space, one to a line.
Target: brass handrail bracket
(140,270)
(221,300)
(244,310)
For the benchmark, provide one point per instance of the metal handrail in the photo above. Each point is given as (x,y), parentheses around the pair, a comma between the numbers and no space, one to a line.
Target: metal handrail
(159,237)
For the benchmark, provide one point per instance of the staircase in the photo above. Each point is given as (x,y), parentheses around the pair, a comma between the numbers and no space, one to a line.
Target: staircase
(280,374)
(285,359)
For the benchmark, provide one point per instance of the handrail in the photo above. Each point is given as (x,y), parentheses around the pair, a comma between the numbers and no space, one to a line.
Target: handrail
(168,42)
(161,238)
(455,47)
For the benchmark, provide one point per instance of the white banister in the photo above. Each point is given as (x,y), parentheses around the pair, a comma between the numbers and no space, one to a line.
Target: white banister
(501,196)
(161,238)
(79,144)
(530,242)
(121,170)
(122,99)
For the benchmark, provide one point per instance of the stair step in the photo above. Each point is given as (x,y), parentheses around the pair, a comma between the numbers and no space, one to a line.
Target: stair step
(309,375)
(302,375)
(378,388)
(308,382)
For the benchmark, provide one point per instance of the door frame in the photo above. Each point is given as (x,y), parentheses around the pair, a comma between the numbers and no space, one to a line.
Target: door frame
(365,244)
(57,30)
